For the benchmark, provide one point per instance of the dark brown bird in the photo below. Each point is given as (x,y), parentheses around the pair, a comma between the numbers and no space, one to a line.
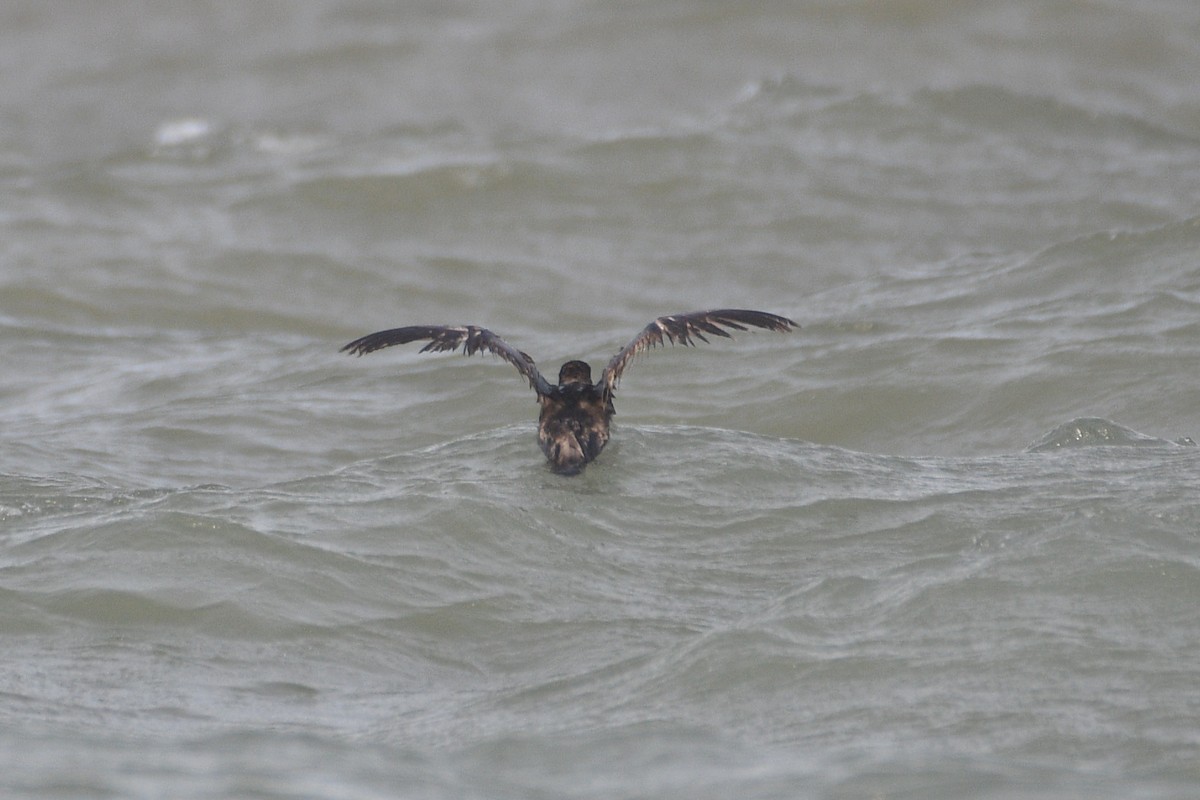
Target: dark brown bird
(574,424)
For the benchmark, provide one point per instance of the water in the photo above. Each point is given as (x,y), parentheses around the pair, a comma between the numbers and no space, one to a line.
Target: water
(939,542)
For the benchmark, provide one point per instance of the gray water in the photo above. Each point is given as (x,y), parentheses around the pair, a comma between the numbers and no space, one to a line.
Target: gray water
(941,542)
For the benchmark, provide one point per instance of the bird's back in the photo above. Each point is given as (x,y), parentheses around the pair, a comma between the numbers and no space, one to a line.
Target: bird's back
(573,426)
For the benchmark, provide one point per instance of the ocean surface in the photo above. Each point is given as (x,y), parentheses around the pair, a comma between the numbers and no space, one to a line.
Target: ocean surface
(942,541)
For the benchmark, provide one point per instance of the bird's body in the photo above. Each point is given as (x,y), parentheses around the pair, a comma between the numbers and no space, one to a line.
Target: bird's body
(573,426)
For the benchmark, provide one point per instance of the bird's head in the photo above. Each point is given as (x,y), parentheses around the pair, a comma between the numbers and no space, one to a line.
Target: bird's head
(575,373)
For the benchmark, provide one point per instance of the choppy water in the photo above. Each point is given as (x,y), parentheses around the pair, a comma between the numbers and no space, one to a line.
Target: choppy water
(943,541)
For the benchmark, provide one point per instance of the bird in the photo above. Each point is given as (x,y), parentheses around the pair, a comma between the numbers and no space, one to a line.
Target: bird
(573,426)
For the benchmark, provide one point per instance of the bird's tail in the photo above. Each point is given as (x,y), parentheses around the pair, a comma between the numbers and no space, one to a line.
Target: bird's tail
(566,454)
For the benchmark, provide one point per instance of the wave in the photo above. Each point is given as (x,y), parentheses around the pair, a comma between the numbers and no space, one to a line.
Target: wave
(1096,432)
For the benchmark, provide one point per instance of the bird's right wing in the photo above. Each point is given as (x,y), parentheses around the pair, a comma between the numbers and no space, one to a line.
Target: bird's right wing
(681,328)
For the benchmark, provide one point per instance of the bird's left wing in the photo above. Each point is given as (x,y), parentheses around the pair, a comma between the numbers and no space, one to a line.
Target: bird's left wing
(470,338)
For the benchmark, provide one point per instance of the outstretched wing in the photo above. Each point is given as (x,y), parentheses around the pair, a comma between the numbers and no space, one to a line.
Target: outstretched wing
(470,338)
(684,328)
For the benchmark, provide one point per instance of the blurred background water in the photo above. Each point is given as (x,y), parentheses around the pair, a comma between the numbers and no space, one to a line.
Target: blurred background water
(940,542)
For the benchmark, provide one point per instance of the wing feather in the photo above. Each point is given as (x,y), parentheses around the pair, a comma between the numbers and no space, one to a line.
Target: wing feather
(684,329)
(470,338)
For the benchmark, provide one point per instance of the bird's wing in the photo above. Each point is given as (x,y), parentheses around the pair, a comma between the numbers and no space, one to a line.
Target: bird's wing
(446,337)
(684,328)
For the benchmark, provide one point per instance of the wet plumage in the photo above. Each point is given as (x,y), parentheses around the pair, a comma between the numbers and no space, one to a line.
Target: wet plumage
(573,426)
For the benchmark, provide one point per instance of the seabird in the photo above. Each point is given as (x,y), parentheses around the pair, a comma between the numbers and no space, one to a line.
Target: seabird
(573,426)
